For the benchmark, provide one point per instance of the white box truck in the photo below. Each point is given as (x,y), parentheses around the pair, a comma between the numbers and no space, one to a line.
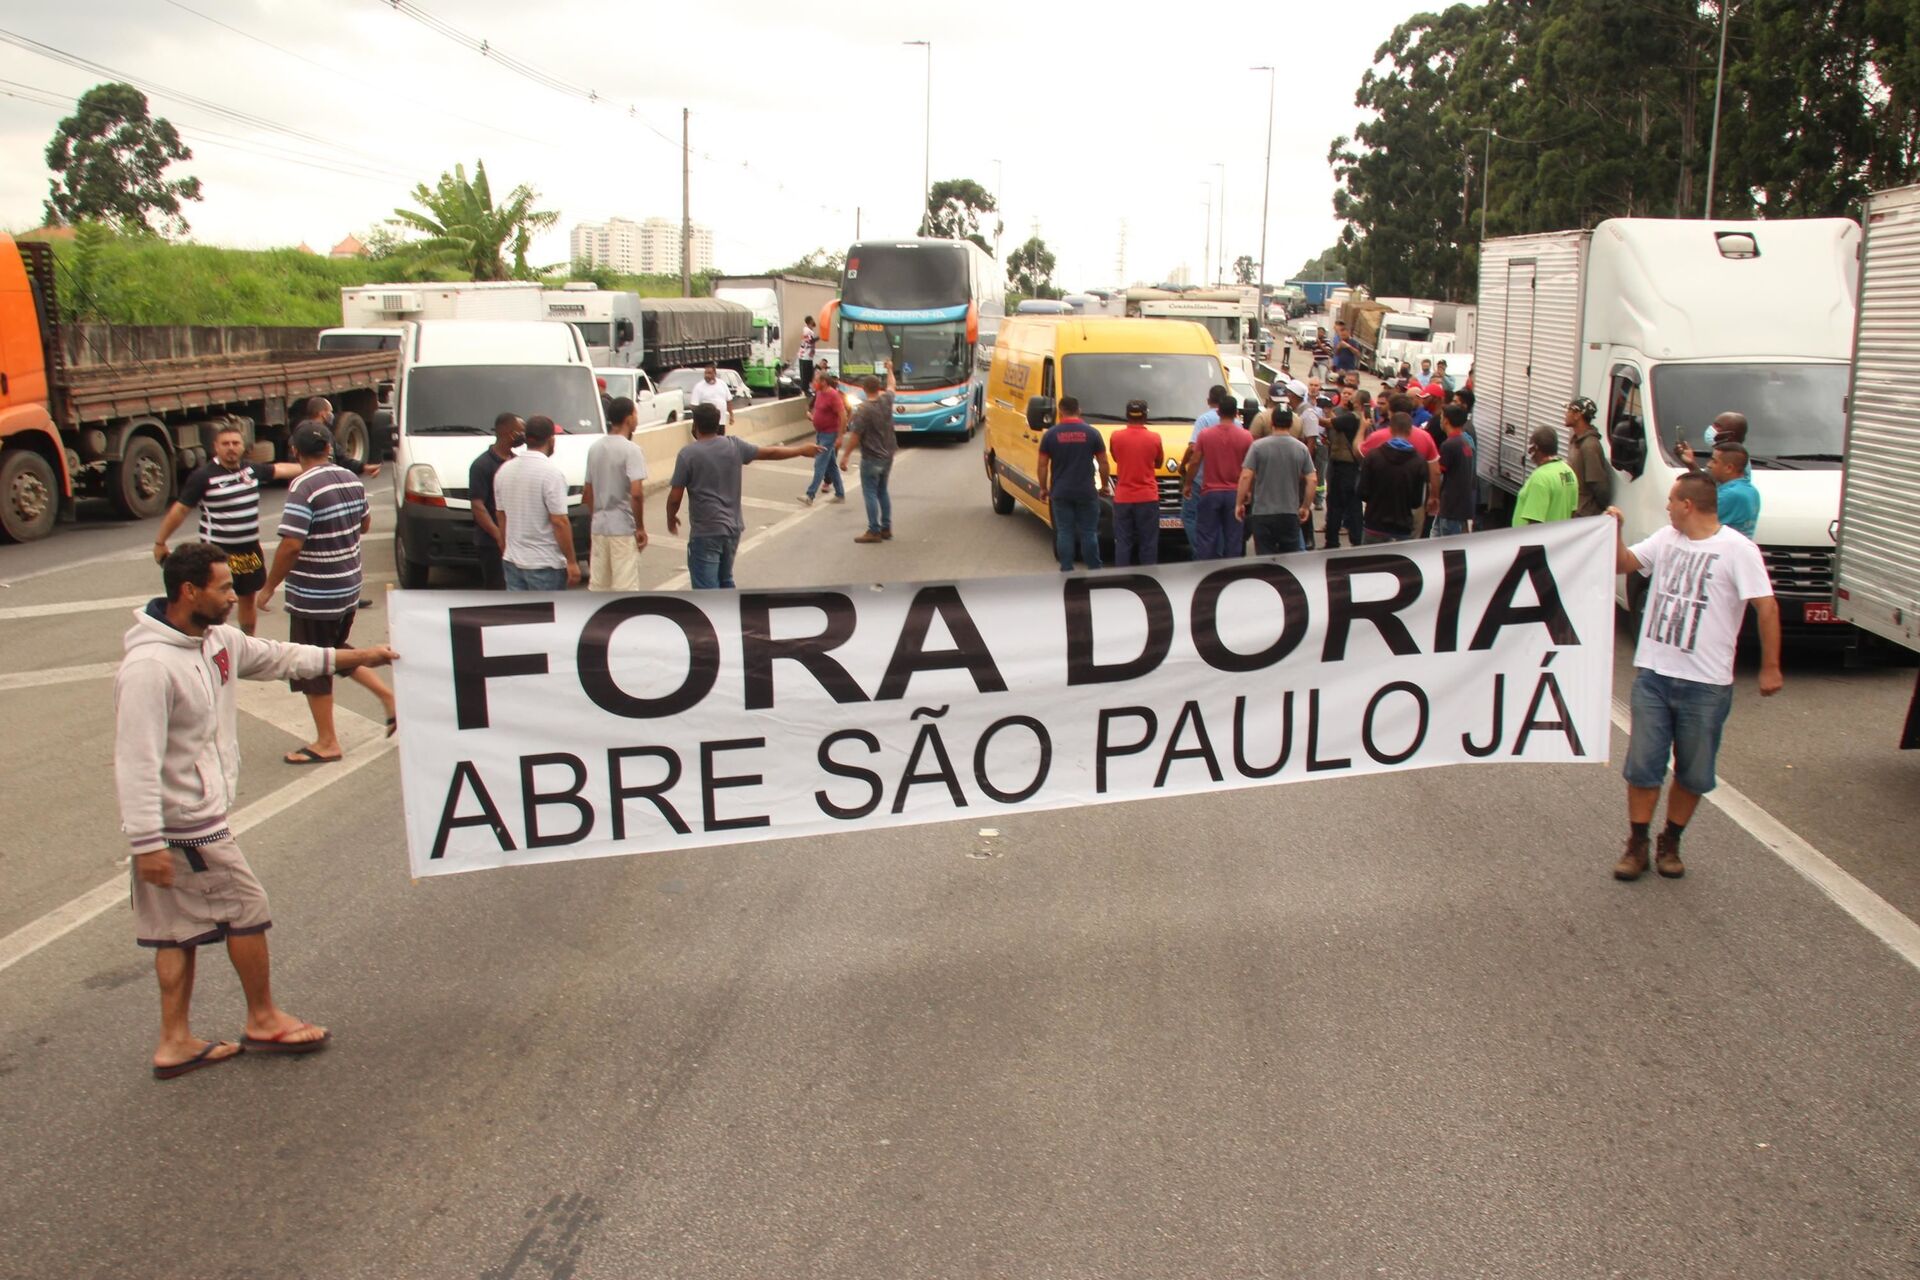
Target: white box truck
(388,306)
(1665,324)
(1877,577)
(608,319)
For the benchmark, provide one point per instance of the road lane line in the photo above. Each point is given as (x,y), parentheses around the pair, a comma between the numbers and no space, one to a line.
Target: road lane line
(58,675)
(21,611)
(1871,911)
(144,553)
(61,921)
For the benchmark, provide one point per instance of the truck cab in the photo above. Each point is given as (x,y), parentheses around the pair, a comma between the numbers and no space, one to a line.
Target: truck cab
(33,464)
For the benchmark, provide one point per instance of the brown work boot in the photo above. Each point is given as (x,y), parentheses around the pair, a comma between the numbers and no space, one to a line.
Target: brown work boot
(870,536)
(1633,863)
(1666,857)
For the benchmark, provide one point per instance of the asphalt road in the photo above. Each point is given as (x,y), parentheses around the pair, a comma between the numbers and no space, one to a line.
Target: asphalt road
(1398,1026)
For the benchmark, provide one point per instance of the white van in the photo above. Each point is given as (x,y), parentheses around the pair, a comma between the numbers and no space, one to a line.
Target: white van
(1665,324)
(456,377)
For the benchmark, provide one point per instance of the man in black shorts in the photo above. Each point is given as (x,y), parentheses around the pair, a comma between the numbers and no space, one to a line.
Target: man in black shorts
(227,491)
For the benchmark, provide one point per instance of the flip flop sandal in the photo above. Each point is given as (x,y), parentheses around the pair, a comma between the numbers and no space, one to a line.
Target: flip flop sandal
(392,724)
(280,1043)
(204,1058)
(306,756)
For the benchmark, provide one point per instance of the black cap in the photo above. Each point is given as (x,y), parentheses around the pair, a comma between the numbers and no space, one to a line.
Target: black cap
(310,440)
(1136,410)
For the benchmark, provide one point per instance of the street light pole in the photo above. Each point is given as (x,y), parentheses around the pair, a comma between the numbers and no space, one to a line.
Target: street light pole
(999,208)
(1220,266)
(1266,194)
(926,169)
(1206,253)
(1719,76)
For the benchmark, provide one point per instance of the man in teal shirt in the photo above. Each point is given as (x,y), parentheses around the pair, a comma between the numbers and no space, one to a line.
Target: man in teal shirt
(1739,500)
(1552,491)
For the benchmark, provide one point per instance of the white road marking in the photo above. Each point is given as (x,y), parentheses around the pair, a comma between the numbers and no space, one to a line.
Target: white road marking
(680,580)
(61,921)
(145,553)
(1873,912)
(770,504)
(58,675)
(19,612)
(122,602)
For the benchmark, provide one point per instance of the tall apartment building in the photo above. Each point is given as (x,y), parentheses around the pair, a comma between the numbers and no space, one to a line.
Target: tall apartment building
(649,248)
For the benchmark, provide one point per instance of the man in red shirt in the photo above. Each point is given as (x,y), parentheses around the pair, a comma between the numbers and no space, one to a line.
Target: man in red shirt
(1137,457)
(829,414)
(1221,448)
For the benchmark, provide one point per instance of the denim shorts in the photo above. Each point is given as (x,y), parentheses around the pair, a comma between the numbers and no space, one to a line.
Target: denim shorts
(1677,719)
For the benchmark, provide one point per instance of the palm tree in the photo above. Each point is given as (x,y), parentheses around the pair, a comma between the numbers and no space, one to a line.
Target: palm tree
(462,222)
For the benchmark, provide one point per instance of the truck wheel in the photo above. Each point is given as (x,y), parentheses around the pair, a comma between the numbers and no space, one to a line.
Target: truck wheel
(412,575)
(1002,500)
(141,483)
(351,438)
(29,496)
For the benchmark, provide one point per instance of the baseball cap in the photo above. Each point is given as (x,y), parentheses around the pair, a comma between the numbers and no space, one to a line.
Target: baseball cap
(1435,390)
(1136,411)
(311,440)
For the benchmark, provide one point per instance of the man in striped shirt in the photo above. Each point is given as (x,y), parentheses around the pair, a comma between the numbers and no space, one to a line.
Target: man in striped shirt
(227,491)
(319,560)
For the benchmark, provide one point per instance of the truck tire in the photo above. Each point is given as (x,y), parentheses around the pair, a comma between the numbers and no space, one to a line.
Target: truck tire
(412,574)
(141,484)
(351,439)
(29,496)
(1002,500)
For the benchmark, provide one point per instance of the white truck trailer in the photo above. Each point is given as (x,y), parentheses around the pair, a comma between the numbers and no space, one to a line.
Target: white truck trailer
(609,320)
(1665,324)
(1877,574)
(388,306)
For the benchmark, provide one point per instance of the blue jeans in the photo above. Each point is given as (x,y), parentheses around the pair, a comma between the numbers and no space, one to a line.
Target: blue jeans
(1445,528)
(1136,533)
(1677,718)
(1217,531)
(874,474)
(541,578)
(1277,533)
(826,467)
(1076,519)
(710,559)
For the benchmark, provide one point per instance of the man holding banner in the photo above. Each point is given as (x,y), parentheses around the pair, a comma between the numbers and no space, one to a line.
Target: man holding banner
(1703,576)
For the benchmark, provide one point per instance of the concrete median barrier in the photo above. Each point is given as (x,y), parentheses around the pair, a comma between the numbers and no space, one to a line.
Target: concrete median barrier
(767,422)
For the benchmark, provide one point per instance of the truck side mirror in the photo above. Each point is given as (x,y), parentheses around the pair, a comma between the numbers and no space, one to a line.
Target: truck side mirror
(1040,413)
(1629,446)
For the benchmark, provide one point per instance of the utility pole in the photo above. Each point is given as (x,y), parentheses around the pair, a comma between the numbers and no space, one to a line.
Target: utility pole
(856,222)
(1220,264)
(1266,195)
(1719,77)
(686,210)
(999,208)
(1206,254)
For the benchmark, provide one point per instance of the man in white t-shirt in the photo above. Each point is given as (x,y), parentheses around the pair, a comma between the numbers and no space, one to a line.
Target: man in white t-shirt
(711,389)
(1702,577)
(616,470)
(530,497)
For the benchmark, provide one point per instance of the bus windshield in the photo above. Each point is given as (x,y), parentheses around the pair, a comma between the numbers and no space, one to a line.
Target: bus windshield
(909,277)
(1795,412)
(1174,387)
(923,355)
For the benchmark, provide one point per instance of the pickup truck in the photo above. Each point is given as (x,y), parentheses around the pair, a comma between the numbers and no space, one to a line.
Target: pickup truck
(656,406)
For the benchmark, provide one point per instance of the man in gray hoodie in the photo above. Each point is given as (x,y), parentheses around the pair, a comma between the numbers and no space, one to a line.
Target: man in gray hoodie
(176,763)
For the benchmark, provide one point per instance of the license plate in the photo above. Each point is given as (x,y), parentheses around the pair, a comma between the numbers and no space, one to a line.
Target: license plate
(1170,522)
(1817,613)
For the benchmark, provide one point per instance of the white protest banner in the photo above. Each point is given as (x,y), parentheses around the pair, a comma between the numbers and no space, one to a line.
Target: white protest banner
(540,727)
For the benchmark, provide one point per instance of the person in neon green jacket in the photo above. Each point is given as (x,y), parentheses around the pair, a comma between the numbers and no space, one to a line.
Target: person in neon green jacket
(1552,491)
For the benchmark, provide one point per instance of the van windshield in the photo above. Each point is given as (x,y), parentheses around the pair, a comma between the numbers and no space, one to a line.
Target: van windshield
(1795,412)
(465,399)
(1174,387)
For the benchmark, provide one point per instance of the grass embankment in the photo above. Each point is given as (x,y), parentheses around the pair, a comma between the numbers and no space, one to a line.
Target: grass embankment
(136,281)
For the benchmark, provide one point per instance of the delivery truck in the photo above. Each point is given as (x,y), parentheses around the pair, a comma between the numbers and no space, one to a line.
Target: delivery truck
(130,431)
(1664,324)
(1877,569)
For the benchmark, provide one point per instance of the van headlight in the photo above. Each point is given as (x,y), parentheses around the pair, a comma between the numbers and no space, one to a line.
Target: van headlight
(423,486)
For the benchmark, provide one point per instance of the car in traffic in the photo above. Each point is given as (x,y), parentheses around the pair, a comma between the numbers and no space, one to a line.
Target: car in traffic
(684,380)
(655,406)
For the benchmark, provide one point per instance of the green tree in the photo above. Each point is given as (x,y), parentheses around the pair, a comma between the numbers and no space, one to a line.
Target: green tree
(1327,265)
(1030,270)
(461,221)
(1243,269)
(109,161)
(953,211)
(820,264)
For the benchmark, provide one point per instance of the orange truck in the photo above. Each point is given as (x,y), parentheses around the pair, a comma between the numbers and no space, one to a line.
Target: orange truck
(130,433)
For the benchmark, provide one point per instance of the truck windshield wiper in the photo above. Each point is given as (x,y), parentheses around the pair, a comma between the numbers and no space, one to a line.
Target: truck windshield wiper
(448,429)
(1808,457)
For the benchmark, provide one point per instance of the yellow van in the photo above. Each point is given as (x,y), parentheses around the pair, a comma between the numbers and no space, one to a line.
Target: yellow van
(1103,361)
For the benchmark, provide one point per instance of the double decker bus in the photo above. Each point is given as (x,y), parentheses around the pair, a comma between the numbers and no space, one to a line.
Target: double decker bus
(930,307)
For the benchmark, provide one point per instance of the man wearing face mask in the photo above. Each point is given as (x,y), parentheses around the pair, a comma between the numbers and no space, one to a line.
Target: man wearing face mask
(1728,428)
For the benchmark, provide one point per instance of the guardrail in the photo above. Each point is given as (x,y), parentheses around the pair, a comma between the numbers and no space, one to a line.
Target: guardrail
(767,422)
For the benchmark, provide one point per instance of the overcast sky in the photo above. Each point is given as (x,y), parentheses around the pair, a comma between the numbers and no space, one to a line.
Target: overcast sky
(1098,114)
